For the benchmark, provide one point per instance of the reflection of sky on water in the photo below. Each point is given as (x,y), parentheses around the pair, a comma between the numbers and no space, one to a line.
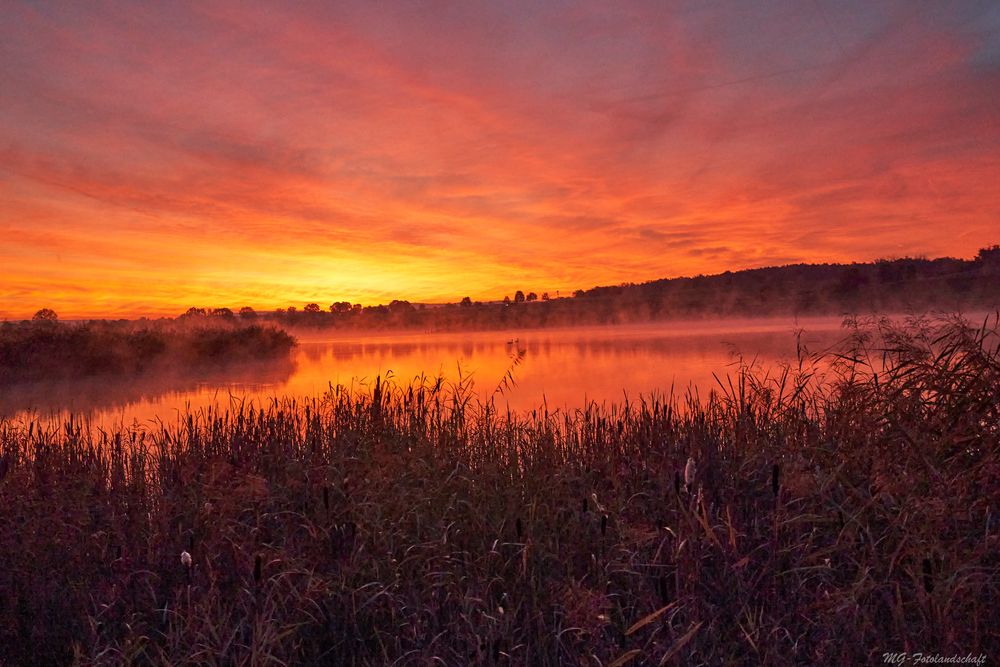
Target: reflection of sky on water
(563,367)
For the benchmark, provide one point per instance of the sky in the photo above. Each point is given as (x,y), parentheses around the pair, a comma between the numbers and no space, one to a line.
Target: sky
(161,155)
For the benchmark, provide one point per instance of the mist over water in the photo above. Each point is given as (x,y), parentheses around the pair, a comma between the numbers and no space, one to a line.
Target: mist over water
(564,368)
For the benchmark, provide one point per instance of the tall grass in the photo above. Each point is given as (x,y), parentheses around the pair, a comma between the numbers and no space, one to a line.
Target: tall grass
(822,519)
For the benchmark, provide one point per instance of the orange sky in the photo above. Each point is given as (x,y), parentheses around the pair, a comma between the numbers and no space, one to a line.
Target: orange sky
(205,153)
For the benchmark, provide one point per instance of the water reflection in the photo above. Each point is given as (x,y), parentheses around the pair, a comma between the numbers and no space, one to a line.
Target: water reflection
(563,367)
(144,397)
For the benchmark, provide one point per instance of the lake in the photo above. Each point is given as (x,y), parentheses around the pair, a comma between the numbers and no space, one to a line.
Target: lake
(565,368)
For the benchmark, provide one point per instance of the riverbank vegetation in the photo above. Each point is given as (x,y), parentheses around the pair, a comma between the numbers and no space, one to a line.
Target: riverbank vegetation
(46,349)
(793,517)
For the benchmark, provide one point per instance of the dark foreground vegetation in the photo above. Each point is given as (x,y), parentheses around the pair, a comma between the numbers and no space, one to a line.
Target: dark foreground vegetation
(791,519)
(45,349)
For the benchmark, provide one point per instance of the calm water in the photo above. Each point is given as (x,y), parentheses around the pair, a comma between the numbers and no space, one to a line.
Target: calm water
(563,367)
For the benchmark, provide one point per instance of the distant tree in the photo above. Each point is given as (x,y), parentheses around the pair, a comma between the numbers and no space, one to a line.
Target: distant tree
(545,296)
(506,300)
(340,307)
(311,308)
(357,308)
(397,306)
(248,313)
(223,312)
(466,302)
(579,293)
(519,297)
(990,255)
(195,312)
(45,315)
(532,296)
(291,310)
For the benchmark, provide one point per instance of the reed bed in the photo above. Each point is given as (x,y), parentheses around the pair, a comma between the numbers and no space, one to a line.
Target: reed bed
(799,517)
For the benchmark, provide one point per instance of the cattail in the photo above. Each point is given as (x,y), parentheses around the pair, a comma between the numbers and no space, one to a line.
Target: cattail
(583,505)
(775,471)
(256,569)
(186,559)
(326,498)
(677,483)
(518,527)
(928,580)
(597,503)
(689,473)
(604,524)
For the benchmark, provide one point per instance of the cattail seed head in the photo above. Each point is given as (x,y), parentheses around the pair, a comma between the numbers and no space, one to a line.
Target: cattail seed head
(928,579)
(604,524)
(775,472)
(518,527)
(256,569)
(690,470)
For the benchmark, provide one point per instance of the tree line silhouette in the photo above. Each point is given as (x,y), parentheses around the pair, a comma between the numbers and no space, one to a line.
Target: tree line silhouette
(885,285)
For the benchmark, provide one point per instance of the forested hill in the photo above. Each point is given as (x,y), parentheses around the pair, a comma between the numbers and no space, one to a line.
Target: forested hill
(886,285)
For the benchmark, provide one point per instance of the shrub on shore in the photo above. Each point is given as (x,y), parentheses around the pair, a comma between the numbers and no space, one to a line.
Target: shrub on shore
(47,349)
(789,519)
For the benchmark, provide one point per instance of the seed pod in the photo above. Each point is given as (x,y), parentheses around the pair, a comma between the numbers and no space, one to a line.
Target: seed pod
(775,472)
(604,524)
(690,471)
(256,569)
(928,579)
(583,505)
(326,498)
(518,527)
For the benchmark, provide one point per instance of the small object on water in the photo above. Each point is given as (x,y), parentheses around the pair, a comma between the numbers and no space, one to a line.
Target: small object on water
(186,559)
